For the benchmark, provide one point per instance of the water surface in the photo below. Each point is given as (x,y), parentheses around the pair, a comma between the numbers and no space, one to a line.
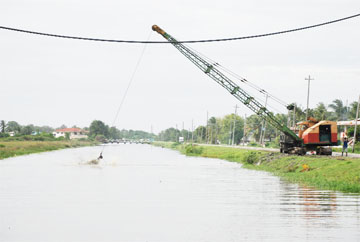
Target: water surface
(145,193)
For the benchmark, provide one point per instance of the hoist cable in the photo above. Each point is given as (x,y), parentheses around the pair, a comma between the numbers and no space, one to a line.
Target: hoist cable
(243,80)
(186,41)
(128,86)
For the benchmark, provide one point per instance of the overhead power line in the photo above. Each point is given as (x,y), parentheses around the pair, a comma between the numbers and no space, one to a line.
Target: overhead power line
(186,41)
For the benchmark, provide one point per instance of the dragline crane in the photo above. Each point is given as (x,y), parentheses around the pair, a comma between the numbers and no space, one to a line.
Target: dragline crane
(313,136)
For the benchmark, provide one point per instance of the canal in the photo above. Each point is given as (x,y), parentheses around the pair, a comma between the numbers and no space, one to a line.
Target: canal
(146,193)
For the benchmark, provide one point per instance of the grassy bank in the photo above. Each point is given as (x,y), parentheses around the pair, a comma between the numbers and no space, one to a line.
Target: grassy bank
(329,173)
(15,148)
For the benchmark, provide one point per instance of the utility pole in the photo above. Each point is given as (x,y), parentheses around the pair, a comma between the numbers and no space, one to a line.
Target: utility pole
(202,135)
(230,133)
(207,124)
(192,131)
(294,116)
(217,133)
(211,134)
(188,135)
(182,131)
(263,125)
(357,116)
(233,136)
(347,110)
(307,106)
(176,135)
(244,136)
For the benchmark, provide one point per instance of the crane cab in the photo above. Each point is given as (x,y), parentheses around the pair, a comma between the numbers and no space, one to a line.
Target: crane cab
(318,135)
(315,135)
(322,133)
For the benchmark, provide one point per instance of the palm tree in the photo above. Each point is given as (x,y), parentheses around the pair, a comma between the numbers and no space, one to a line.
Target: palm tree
(339,109)
(321,112)
(352,110)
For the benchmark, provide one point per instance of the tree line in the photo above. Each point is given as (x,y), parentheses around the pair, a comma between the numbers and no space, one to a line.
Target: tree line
(230,128)
(97,130)
(100,131)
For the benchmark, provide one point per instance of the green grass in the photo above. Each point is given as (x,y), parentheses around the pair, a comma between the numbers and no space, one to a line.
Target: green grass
(328,173)
(16,148)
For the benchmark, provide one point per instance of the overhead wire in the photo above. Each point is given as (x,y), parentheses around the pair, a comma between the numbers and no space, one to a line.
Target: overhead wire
(185,41)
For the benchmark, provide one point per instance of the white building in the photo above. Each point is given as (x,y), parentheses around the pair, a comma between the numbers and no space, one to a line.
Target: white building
(74,133)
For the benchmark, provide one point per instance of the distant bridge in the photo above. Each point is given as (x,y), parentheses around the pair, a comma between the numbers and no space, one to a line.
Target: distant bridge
(125,141)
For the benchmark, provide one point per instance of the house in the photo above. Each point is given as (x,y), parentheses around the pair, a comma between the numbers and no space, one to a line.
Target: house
(74,133)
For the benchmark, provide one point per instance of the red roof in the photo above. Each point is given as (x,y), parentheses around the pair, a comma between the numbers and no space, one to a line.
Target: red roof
(68,130)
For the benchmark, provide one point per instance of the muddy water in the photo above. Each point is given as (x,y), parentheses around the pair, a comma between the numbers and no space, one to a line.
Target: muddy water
(144,193)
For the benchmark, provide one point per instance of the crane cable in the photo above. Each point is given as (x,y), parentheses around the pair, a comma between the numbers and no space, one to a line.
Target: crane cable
(186,41)
(127,89)
(243,80)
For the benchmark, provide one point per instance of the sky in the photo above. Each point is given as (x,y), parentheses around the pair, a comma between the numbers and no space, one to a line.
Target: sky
(51,81)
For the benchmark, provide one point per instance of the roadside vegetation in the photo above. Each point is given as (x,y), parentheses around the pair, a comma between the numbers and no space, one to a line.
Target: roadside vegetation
(322,172)
(21,147)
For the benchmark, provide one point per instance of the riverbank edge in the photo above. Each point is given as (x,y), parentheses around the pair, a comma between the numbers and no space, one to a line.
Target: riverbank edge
(10,149)
(321,172)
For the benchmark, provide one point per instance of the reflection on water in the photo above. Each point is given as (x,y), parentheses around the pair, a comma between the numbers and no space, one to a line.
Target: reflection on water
(144,193)
(312,203)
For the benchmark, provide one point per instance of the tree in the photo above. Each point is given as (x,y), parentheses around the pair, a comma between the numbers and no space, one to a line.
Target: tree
(97,127)
(340,111)
(300,114)
(200,134)
(27,130)
(13,126)
(45,129)
(352,110)
(212,131)
(62,127)
(67,136)
(2,126)
(253,126)
(351,131)
(114,133)
(271,132)
(321,112)
(170,134)
(225,129)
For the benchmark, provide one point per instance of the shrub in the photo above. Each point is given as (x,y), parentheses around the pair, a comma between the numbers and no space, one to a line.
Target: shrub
(272,144)
(291,167)
(39,138)
(254,144)
(250,157)
(2,146)
(193,149)
(174,145)
(4,135)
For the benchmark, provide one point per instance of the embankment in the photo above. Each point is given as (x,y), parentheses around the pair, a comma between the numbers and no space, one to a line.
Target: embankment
(322,172)
(15,148)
